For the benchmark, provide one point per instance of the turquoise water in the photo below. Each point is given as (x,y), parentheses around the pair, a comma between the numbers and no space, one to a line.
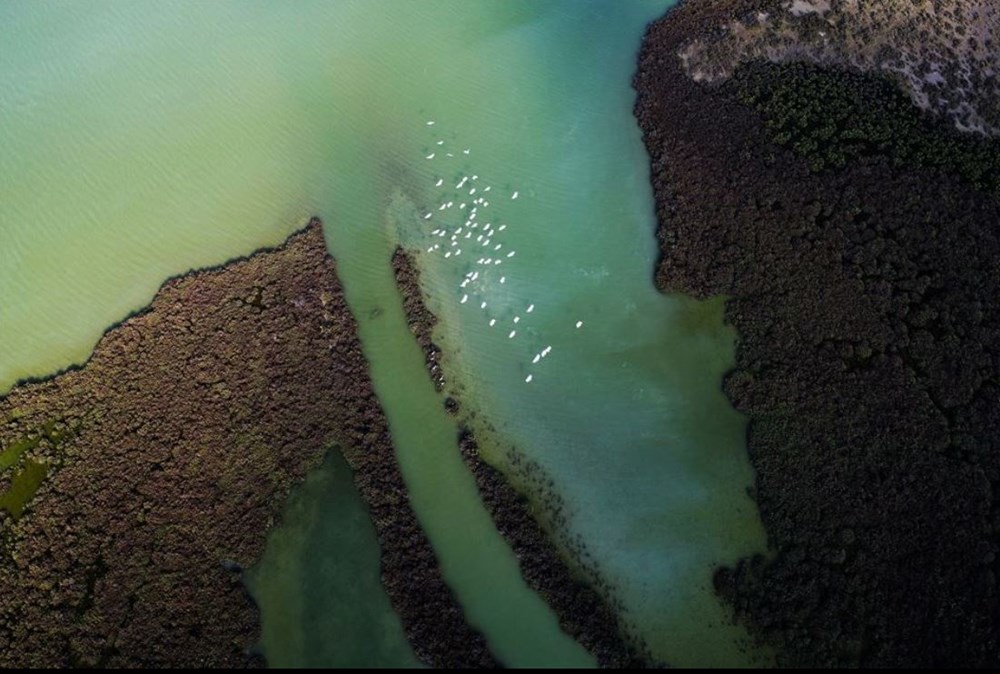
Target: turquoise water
(138,140)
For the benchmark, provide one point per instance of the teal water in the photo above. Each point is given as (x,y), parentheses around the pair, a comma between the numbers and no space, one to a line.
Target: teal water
(138,140)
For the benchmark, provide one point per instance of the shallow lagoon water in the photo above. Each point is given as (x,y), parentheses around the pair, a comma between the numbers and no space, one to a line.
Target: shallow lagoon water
(321,569)
(140,140)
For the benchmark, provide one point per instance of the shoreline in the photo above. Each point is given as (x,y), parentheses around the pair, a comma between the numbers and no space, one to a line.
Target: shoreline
(169,454)
(582,613)
(418,317)
(866,365)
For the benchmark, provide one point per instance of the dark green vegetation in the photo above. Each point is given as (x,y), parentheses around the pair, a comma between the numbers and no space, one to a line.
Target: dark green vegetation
(23,485)
(11,455)
(24,482)
(859,257)
(832,117)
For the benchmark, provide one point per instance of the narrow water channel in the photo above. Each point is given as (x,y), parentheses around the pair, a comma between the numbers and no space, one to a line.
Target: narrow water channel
(475,560)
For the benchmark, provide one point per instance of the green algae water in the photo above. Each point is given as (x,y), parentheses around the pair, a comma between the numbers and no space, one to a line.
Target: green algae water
(321,568)
(138,140)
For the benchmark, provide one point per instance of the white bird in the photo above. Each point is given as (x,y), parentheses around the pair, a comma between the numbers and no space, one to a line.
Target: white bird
(527,380)
(501,228)
(458,252)
(514,196)
(531,307)
(440,142)
(430,123)
(448,254)
(537,358)
(497,262)
(449,154)
(511,253)
(482,305)
(465,152)
(498,246)
(579,323)
(430,156)
(493,322)
(503,279)
(545,351)
(511,335)
(431,249)
(487,189)
(517,319)
(439,182)
(427,217)
(465,298)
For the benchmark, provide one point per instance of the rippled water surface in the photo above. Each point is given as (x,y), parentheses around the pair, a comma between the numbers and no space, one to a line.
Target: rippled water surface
(138,140)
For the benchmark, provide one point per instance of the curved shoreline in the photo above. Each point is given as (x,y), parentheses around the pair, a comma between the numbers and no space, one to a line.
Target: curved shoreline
(582,613)
(170,452)
(867,365)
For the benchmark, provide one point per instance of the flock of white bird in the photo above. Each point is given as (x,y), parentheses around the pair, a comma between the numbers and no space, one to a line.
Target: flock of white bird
(476,235)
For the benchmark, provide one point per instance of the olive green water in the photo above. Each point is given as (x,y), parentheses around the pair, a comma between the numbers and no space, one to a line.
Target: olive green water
(138,140)
(321,569)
